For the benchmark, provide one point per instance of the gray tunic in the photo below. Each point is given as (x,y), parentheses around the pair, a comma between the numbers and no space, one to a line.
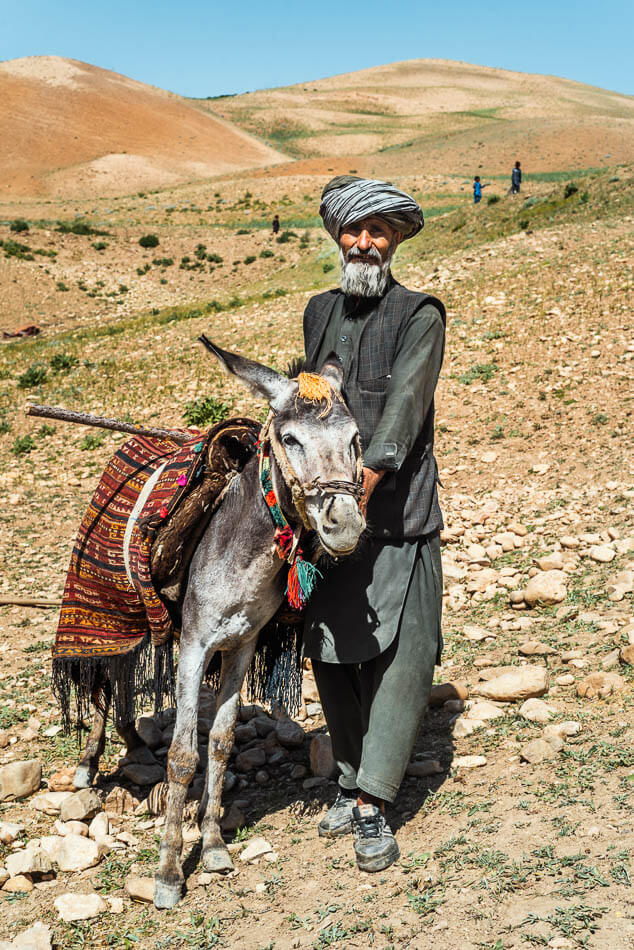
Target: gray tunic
(355,612)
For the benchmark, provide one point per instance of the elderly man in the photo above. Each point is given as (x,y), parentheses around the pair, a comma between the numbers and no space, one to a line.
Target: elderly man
(372,626)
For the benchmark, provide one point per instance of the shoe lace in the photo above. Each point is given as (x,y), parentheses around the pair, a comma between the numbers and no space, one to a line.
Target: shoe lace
(370,826)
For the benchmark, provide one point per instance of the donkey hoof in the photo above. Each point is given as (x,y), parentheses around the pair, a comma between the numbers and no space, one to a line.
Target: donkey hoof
(84,776)
(217,860)
(166,895)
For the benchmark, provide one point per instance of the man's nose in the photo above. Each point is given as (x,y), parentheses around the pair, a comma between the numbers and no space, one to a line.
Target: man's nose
(364,241)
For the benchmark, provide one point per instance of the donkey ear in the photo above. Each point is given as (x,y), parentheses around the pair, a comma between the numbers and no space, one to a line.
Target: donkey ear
(260,379)
(332,370)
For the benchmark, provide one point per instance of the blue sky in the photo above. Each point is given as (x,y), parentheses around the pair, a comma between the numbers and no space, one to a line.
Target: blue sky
(200,48)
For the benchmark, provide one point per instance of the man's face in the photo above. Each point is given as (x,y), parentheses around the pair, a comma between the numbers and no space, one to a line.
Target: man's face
(370,241)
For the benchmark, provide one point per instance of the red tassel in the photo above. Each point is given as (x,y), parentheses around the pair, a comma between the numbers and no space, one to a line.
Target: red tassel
(294,591)
(163,512)
(283,537)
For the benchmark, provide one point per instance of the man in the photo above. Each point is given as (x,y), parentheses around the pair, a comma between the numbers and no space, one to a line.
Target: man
(516,179)
(275,224)
(372,625)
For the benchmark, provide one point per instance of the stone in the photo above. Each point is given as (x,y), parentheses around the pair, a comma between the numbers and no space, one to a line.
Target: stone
(255,849)
(536,710)
(536,751)
(600,685)
(140,888)
(534,648)
(424,769)
(140,774)
(80,806)
(620,584)
(477,554)
(551,562)
(263,725)
(298,771)
(115,905)
(322,760)
(569,543)
(601,553)
(250,759)
(626,655)
(289,734)
(483,711)
(21,883)
(149,731)
(262,777)
(610,660)
(469,761)
(565,679)
(546,588)
(51,845)
(9,831)
(314,709)
(524,682)
(19,779)
(50,802)
(36,937)
(245,732)
(441,692)
(99,827)
(32,860)
(488,457)
(4,877)
(79,906)
(315,781)
(71,828)
(562,729)
(475,633)
(233,818)
(555,741)
(464,727)
(481,580)
(62,780)
(77,853)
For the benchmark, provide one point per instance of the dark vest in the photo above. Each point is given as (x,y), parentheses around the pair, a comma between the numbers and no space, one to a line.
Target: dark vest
(405,503)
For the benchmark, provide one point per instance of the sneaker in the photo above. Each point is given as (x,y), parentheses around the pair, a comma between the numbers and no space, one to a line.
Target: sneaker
(338,818)
(375,846)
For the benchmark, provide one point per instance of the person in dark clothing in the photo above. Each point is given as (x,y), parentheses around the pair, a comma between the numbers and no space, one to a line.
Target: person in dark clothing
(516,179)
(275,225)
(373,624)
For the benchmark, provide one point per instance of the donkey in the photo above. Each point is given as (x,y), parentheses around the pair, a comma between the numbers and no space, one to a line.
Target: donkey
(236,582)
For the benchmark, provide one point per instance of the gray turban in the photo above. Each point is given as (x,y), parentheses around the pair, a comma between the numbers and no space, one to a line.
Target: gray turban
(347,199)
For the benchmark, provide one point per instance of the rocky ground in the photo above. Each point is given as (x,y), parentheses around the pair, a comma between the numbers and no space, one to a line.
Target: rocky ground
(515,818)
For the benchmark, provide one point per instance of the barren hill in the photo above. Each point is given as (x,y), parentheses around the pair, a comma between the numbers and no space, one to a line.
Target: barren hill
(72,129)
(440,116)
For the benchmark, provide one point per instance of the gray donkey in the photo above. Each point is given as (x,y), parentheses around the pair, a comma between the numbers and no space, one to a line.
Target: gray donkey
(237,581)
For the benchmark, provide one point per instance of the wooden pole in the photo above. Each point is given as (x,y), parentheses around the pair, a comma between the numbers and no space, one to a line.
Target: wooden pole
(7,601)
(116,425)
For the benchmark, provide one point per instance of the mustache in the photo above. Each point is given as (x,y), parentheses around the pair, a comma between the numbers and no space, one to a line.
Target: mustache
(372,255)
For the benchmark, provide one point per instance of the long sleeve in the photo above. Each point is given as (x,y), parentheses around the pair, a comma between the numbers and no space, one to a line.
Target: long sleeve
(410,393)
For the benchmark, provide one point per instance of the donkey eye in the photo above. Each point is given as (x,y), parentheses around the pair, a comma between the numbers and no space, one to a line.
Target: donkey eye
(289,441)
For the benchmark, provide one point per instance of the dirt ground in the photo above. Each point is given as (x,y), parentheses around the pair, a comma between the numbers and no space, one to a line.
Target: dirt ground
(534,437)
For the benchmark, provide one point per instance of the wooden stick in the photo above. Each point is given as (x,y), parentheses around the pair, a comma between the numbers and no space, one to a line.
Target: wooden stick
(28,602)
(116,425)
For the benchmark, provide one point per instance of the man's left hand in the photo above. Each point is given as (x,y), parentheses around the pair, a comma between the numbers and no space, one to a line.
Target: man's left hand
(370,480)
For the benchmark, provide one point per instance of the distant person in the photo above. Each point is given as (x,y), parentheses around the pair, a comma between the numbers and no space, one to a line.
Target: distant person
(477,190)
(516,179)
(275,226)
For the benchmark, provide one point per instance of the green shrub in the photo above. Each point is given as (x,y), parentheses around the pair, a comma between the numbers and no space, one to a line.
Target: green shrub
(143,270)
(78,227)
(35,375)
(163,262)
(584,197)
(201,252)
(480,371)
(15,249)
(90,442)
(524,223)
(149,240)
(266,253)
(61,286)
(327,267)
(242,231)
(215,258)
(100,245)
(285,237)
(205,411)
(493,199)
(570,189)
(23,445)
(45,430)
(250,259)
(63,362)
(19,226)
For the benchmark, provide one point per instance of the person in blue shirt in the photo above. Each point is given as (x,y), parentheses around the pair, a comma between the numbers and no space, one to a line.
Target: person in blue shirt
(516,179)
(477,190)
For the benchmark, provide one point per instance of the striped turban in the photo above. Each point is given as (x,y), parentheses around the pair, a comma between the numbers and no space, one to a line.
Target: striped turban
(347,199)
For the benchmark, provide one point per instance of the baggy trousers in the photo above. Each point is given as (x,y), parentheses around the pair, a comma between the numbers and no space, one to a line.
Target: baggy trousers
(374,709)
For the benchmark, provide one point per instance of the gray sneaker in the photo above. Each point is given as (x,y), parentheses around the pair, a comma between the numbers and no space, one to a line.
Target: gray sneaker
(375,846)
(338,818)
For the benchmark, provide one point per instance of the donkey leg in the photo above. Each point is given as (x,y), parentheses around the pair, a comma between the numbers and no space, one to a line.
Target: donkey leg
(89,764)
(136,749)
(182,761)
(235,664)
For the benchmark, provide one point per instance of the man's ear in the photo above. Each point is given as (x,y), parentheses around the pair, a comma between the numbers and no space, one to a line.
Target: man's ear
(262,380)
(332,370)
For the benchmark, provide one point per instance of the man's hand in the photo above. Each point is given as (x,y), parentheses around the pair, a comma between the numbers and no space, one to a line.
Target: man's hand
(370,480)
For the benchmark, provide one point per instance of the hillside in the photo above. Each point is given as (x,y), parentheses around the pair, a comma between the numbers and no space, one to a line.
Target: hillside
(436,116)
(73,129)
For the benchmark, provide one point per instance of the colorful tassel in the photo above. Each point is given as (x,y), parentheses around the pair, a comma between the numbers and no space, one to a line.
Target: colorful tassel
(163,512)
(182,480)
(302,578)
(283,538)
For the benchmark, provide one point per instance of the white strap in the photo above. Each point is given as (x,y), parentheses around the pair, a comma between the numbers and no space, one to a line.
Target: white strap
(134,515)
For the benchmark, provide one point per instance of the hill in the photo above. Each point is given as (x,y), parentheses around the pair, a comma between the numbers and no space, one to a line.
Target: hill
(437,116)
(72,129)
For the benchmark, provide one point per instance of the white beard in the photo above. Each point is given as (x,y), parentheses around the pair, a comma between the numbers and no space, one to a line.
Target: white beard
(361,279)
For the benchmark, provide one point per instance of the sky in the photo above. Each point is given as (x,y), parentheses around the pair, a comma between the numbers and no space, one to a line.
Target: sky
(198,48)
